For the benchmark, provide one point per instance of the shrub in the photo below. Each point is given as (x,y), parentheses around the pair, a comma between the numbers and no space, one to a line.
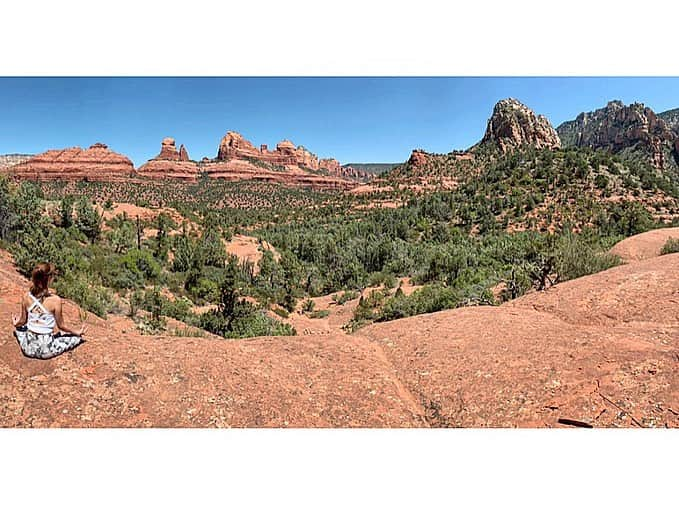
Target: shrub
(425,300)
(246,321)
(96,299)
(308,306)
(344,297)
(281,312)
(671,246)
(574,258)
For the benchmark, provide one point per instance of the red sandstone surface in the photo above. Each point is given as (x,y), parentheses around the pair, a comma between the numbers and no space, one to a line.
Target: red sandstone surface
(97,163)
(645,245)
(603,349)
(248,248)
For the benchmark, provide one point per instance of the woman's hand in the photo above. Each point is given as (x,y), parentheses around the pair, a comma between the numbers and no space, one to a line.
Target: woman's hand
(16,321)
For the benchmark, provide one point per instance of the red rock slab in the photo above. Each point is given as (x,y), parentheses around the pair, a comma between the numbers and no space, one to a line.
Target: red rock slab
(644,245)
(511,367)
(644,291)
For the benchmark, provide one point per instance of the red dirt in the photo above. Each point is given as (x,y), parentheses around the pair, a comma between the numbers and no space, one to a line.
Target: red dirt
(247,248)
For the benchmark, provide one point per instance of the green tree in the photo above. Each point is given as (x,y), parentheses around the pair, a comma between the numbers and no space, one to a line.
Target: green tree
(7,215)
(213,252)
(88,221)
(161,244)
(66,211)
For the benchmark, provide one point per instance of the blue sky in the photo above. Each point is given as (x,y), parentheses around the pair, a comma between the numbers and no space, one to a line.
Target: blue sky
(351,119)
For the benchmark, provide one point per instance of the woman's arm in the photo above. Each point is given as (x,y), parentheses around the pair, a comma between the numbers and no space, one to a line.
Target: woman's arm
(59,317)
(20,321)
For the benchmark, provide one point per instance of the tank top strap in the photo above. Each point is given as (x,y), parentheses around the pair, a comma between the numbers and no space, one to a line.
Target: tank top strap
(38,303)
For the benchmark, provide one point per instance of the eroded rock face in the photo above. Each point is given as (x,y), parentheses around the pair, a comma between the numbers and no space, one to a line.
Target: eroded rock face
(171,163)
(622,128)
(418,158)
(513,125)
(97,163)
(169,151)
(334,168)
(238,153)
(234,145)
(671,117)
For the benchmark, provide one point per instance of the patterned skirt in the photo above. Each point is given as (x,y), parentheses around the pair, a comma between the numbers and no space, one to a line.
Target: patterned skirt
(45,346)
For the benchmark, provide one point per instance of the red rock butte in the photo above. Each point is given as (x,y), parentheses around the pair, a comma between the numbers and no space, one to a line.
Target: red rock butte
(171,163)
(96,163)
(234,146)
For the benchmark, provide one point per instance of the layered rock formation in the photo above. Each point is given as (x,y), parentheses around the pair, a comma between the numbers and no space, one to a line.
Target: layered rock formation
(238,170)
(97,163)
(7,161)
(171,163)
(626,129)
(513,125)
(237,158)
(234,145)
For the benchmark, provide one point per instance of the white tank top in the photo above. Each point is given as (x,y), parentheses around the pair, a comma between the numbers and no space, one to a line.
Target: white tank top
(41,321)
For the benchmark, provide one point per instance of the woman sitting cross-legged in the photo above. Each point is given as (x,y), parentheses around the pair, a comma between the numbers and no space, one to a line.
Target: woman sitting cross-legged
(41,313)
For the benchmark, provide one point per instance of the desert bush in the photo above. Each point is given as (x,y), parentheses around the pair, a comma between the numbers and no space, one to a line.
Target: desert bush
(671,246)
(344,297)
(574,258)
(308,306)
(95,299)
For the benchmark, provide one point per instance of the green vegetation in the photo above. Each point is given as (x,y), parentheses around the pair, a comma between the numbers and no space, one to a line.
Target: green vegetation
(512,223)
(671,246)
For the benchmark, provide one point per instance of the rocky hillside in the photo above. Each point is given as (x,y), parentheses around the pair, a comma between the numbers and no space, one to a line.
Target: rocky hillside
(601,350)
(13,159)
(518,176)
(371,169)
(286,155)
(513,125)
(633,131)
(671,117)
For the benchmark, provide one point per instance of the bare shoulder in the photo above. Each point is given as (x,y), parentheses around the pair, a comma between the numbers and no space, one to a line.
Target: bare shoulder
(52,302)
